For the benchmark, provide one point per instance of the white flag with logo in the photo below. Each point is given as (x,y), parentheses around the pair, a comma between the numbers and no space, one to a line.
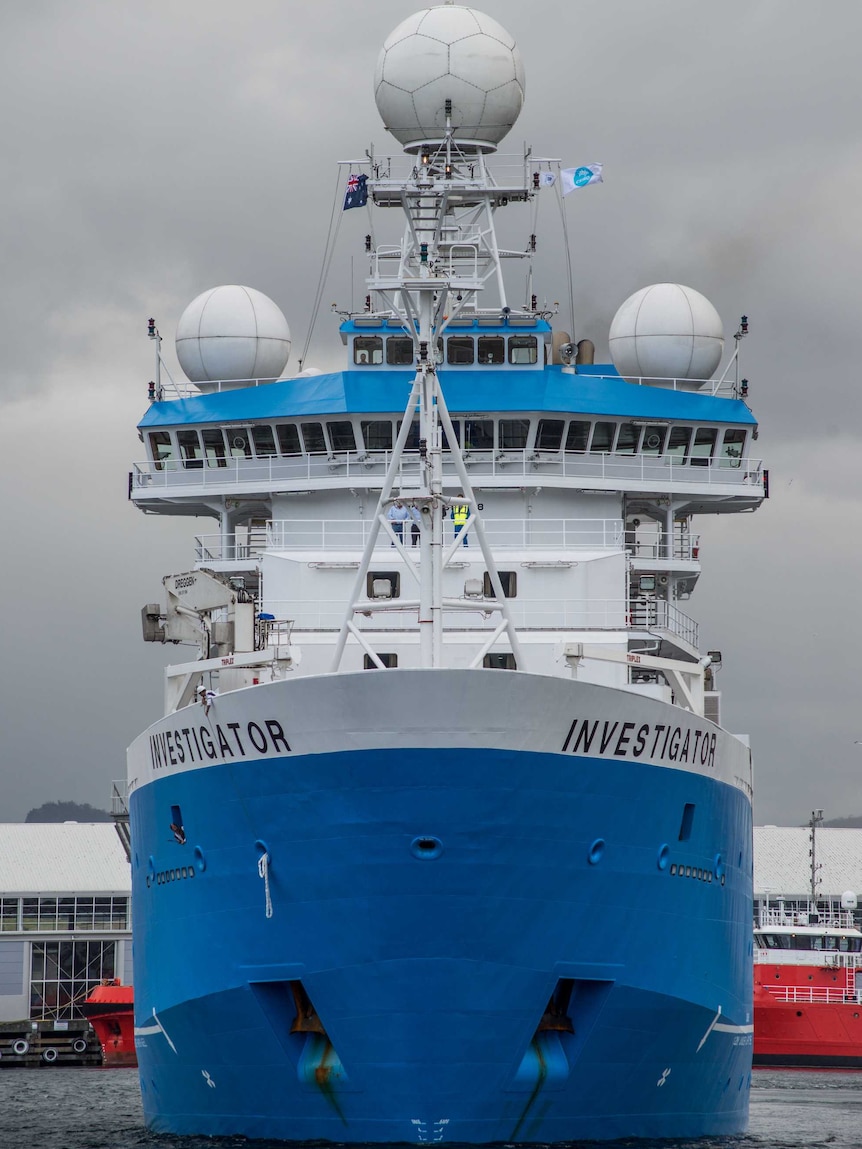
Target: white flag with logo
(547,179)
(586,174)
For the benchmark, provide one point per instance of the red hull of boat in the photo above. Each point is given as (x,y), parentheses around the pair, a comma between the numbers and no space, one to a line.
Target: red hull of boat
(110,1011)
(806,1017)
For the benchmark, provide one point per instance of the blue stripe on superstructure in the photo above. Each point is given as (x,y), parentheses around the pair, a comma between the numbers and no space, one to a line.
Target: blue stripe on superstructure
(597,391)
(432,975)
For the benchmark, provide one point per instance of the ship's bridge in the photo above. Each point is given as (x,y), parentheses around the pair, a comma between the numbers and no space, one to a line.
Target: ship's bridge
(518,427)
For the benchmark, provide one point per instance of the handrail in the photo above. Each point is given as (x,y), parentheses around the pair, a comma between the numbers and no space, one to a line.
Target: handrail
(511,465)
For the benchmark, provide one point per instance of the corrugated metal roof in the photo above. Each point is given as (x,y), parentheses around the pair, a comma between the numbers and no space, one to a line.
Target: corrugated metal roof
(62,858)
(782,864)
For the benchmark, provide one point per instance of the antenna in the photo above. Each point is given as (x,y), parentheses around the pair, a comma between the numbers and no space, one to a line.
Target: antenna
(816,867)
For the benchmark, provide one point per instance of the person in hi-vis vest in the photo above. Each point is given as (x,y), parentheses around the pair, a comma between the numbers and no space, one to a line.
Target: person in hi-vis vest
(460,514)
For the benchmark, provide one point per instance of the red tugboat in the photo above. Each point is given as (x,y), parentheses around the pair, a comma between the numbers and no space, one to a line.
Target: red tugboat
(110,1011)
(808,978)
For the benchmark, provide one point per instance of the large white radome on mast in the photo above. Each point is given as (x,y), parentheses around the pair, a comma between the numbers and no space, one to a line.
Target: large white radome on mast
(449,53)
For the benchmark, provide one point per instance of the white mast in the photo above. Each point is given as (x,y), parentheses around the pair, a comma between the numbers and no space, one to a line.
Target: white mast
(448,252)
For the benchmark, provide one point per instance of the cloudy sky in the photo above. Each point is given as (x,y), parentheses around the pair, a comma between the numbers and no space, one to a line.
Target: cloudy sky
(153,150)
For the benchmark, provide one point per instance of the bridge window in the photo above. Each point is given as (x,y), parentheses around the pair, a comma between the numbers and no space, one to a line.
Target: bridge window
(579,432)
(513,434)
(627,439)
(376,434)
(214,447)
(549,434)
(732,448)
(677,447)
(704,445)
(399,351)
(523,349)
(288,439)
(388,660)
(240,444)
(492,349)
(603,437)
(264,441)
(460,350)
(341,435)
(368,350)
(508,581)
(312,434)
(478,434)
(653,441)
(190,448)
(162,449)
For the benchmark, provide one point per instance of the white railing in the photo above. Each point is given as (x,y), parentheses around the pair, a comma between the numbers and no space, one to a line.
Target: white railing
(812,995)
(651,613)
(531,466)
(823,920)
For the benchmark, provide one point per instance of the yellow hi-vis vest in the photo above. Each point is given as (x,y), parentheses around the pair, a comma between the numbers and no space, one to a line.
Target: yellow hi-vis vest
(459,514)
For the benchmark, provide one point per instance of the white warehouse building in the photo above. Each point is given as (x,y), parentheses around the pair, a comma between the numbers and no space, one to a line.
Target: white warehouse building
(65,923)
(782,866)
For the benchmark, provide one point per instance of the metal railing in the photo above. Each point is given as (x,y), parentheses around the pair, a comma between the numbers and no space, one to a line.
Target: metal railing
(650,613)
(530,466)
(822,919)
(812,995)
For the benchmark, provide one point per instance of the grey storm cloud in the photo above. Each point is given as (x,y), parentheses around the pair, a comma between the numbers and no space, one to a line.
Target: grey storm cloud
(153,150)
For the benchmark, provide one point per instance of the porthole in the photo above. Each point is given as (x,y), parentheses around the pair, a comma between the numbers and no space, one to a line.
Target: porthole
(426,847)
(672,868)
(596,850)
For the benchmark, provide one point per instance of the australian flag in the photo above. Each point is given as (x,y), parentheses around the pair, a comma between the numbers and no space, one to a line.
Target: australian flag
(357,192)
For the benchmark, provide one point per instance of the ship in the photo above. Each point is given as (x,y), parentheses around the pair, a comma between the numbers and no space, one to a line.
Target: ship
(440,837)
(110,1010)
(808,976)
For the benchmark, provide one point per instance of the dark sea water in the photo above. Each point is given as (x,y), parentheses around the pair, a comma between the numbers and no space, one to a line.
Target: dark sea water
(101,1109)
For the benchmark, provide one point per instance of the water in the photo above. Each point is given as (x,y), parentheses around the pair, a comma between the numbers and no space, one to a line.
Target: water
(101,1109)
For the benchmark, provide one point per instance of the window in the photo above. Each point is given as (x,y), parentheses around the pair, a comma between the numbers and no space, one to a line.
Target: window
(412,442)
(499,662)
(63,974)
(341,435)
(388,660)
(162,449)
(653,441)
(513,434)
(627,439)
(523,349)
(8,914)
(579,432)
(492,349)
(376,434)
(190,448)
(732,448)
(704,445)
(460,350)
(240,442)
(214,451)
(677,446)
(399,351)
(380,577)
(368,350)
(312,434)
(81,913)
(288,439)
(508,580)
(264,441)
(603,437)
(478,434)
(549,434)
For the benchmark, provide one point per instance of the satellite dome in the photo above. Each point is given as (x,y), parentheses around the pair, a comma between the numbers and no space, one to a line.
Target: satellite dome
(848,900)
(449,53)
(666,332)
(232,334)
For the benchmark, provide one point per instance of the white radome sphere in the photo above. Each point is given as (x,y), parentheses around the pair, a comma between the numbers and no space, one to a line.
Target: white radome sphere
(848,900)
(667,331)
(232,334)
(449,53)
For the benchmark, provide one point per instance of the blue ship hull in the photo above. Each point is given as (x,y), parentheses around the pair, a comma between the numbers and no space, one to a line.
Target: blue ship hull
(427,904)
